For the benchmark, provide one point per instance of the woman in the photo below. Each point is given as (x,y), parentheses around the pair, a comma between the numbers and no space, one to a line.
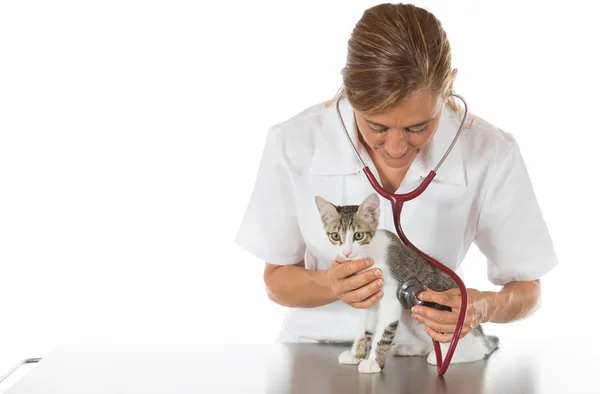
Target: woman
(396,104)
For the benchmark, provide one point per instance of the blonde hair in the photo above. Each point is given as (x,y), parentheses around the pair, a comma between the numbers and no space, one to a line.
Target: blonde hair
(393,51)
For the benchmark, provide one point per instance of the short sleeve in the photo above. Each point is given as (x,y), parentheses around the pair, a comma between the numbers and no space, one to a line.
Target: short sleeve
(511,231)
(269,228)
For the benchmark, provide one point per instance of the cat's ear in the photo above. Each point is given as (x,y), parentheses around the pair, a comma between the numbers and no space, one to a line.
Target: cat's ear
(327,210)
(369,209)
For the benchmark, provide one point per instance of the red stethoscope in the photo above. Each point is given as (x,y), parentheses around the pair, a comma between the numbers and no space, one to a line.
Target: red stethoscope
(397,201)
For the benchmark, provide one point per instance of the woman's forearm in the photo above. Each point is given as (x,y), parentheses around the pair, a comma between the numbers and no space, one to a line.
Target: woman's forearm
(295,286)
(516,301)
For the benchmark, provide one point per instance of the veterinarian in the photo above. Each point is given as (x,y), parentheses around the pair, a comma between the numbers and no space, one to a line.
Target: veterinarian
(396,102)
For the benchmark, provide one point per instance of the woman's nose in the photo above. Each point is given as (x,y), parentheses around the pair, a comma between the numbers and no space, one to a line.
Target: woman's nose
(396,144)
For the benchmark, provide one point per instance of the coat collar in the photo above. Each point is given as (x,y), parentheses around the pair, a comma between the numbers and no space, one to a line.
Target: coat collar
(334,156)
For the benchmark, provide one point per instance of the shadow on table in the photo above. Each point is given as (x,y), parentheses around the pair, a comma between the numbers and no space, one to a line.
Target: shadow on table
(300,369)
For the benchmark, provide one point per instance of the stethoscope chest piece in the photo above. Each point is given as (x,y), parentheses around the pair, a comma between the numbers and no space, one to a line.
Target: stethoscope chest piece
(407,293)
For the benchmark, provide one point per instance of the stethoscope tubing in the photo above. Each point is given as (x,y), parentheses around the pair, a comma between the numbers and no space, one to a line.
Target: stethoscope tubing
(397,201)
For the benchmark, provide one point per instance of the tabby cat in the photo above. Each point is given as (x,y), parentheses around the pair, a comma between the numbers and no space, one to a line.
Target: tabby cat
(353,229)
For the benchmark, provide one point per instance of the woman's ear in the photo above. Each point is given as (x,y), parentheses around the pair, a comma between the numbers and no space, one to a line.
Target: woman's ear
(453,77)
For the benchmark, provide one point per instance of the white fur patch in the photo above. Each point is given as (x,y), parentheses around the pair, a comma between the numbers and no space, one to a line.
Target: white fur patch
(410,349)
(347,358)
(369,366)
(470,348)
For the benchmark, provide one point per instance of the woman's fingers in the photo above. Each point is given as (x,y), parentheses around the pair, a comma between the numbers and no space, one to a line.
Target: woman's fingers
(368,302)
(340,272)
(358,290)
(442,337)
(362,293)
(438,326)
(448,298)
(347,268)
(443,317)
(359,280)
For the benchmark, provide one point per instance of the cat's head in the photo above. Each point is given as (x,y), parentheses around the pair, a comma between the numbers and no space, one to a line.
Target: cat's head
(350,227)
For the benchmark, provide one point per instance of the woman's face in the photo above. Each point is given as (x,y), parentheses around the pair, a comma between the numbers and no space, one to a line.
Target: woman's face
(396,137)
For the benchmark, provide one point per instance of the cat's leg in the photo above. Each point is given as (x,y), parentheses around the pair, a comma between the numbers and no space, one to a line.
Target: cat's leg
(362,342)
(370,329)
(422,344)
(388,318)
(473,347)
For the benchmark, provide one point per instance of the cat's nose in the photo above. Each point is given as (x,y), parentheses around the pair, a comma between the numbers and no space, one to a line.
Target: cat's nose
(347,254)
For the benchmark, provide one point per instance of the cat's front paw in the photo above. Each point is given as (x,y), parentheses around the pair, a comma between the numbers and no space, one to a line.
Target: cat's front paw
(347,358)
(369,366)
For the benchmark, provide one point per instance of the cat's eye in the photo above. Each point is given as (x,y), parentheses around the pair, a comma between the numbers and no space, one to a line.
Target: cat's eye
(359,236)
(335,236)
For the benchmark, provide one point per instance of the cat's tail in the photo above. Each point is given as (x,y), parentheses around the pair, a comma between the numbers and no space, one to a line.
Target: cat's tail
(491,342)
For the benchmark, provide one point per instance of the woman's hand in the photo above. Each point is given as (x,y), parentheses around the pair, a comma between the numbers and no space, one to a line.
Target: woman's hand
(357,290)
(440,325)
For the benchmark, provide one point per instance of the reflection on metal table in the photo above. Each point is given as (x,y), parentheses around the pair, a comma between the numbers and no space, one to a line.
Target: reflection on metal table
(300,368)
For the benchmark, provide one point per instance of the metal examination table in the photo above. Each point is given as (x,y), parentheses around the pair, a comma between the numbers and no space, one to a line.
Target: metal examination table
(300,368)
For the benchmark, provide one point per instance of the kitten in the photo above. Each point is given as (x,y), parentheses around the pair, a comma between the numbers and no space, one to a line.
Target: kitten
(354,230)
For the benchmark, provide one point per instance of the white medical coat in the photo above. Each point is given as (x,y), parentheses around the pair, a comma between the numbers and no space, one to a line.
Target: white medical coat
(481,194)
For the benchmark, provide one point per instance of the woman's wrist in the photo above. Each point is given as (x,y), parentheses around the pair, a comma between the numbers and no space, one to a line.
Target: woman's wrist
(321,280)
(495,302)
(296,287)
(516,301)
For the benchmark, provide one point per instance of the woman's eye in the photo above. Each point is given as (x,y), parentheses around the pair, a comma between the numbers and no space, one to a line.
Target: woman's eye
(358,236)
(417,130)
(375,130)
(335,236)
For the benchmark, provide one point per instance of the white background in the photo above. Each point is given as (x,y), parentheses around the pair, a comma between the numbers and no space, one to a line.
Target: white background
(130,135)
